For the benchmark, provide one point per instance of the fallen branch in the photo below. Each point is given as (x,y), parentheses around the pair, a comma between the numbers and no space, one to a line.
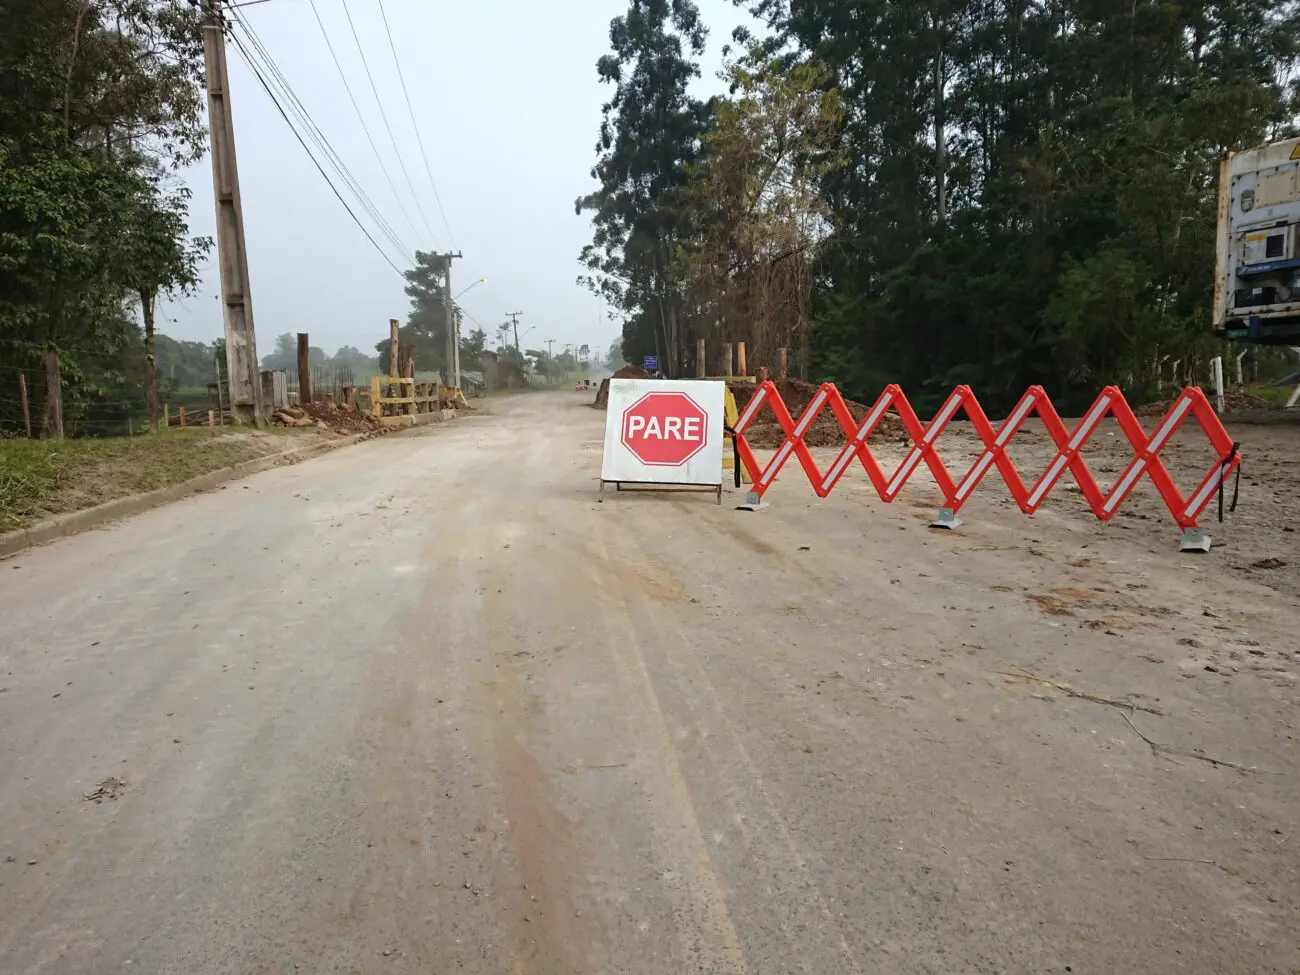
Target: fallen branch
(1124,704)
(1168,751)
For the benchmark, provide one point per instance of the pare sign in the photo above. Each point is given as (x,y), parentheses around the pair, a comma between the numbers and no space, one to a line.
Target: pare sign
(664,432)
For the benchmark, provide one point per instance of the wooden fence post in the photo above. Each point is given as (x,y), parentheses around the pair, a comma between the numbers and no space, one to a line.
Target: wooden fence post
(726,359)
(166,417)
(741,369)
(782,362)
(212,418)
(182,412)
(27,410)
(304,369)
(701,366)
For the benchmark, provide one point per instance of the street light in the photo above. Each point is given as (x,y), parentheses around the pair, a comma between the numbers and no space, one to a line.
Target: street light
(470,288)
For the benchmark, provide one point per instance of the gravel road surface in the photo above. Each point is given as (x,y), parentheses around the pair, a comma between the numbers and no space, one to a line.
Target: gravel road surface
(425,706)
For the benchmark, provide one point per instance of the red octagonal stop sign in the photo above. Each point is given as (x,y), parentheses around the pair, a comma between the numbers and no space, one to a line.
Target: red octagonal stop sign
(665,429)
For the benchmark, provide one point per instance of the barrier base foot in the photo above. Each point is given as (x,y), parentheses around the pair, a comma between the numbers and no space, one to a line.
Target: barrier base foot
(947,519)
(1194,540)
(753,502)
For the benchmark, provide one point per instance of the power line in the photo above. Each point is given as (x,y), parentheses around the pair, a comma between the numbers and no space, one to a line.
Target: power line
(424,153)
(361,118)
(384,115)
(314,133)
(274,101)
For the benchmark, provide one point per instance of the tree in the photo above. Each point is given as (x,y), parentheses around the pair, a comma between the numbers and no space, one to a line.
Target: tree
(759,215)
(649,135)
(96,100)
(425,333)
(1028,194)
(159,257)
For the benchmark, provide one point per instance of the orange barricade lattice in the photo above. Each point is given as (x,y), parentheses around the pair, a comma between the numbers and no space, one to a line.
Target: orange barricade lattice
(1104,504)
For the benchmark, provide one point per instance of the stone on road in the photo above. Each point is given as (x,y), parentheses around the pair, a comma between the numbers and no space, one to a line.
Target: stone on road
(423,705)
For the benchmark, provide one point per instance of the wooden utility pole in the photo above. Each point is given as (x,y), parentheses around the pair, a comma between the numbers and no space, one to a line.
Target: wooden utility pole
(237,301)
(27,410)
(394,352)
(304,369)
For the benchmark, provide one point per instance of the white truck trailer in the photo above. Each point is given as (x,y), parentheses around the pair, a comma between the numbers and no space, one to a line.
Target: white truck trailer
(1257,278)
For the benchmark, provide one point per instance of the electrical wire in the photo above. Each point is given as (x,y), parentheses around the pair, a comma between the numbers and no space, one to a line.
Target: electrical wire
(384,115)
(258,74)
(424,153)
(297,109)
(361,118)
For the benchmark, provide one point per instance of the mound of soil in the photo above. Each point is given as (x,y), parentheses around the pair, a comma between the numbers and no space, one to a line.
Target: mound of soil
(330,416)
(627,372)
(1234,401)
(764,432)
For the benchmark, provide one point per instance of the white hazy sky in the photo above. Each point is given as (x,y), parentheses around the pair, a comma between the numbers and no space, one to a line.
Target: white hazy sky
(507,100)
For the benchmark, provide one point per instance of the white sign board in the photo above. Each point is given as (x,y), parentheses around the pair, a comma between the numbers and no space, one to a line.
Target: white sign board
(661,431)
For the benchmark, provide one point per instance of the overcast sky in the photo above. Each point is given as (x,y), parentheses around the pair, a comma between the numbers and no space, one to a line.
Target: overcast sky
(508,104)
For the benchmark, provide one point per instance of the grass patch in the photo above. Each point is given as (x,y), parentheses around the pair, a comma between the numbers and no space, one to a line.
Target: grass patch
(41,478)
(1276,395)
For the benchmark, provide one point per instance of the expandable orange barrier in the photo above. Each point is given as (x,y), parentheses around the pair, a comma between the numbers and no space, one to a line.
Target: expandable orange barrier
(956,492)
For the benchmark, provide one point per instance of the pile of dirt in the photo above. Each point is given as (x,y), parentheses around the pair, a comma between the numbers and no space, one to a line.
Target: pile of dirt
(1234,401)
(764,432)
(627,372)
(327,416)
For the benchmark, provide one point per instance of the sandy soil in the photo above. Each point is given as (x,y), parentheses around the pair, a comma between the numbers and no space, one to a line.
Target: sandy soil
(427,705)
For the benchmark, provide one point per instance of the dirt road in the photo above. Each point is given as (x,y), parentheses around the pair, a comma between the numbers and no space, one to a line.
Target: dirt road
(424,706)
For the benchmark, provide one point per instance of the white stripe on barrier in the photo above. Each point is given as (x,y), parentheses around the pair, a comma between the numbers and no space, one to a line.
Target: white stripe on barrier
(872,419)
(1125,482)
(1091,420)
(837,468)
(1167,428)
(1014,421)
(776,462)
(1203,495)
(936,425)
(1048,479)
(976,473)
(810,414)
(751,408)
(904,472)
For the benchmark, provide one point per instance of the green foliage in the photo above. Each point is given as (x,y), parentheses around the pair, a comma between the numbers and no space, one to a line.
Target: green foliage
(649,136)
(1030,194)
(98,101)
(425,333)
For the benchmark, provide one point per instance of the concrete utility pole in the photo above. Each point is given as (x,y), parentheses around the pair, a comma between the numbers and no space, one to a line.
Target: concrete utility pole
(453,322)
(514,323)
(242,369)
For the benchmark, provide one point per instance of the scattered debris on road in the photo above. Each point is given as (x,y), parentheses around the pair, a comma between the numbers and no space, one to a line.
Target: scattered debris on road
(110,788)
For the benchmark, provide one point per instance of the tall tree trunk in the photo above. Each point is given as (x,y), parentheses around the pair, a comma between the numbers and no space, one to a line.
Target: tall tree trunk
(940,126)
(52,420)
(147,301)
